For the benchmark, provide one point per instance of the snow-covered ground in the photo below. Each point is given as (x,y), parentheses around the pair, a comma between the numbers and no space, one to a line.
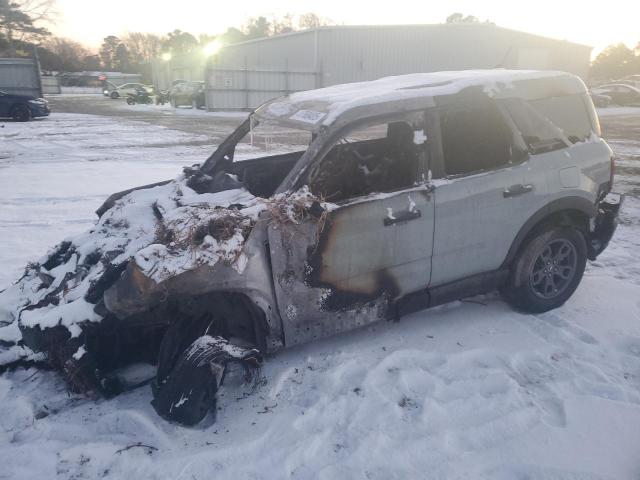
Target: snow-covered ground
(470,390)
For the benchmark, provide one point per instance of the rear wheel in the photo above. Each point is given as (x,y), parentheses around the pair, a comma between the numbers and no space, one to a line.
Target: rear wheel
(547,270)
(21,113)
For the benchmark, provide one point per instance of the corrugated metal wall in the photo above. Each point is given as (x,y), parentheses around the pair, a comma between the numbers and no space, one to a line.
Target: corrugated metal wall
(246,74)
(20,76)
(50,85)
(233,89)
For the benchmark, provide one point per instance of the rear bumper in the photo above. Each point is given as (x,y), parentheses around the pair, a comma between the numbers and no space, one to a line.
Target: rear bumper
(605,224)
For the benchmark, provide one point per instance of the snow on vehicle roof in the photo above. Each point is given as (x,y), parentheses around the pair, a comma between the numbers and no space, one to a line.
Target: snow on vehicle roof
(313,108)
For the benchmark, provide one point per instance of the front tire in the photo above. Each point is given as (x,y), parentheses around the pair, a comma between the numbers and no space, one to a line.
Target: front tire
(189,392)
(21,113)
(114,95)
(547,270)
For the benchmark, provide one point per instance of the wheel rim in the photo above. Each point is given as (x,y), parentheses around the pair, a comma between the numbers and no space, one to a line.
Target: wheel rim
(554,269)
(22,113)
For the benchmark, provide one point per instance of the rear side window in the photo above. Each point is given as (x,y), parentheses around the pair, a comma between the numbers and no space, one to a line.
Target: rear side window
(474,138)
(537,131)
(568,113)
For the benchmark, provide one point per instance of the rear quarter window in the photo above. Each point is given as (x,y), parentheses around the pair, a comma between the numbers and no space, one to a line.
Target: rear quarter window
(569,113)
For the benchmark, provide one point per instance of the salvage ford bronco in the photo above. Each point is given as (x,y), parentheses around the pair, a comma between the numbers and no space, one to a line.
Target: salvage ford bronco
(324,211)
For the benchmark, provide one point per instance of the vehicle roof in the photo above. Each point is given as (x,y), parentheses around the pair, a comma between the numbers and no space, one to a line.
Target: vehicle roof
(314,108)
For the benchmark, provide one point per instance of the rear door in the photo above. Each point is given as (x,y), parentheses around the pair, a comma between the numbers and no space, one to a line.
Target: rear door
(346,266)
(486,193)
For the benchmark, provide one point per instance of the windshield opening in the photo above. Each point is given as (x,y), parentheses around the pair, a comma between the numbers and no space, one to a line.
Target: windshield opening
(267,139)
(262,159)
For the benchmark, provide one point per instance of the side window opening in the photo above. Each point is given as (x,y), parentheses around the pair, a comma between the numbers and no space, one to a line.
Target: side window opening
(568,113)
(538,132)
(379,158)
(474,138)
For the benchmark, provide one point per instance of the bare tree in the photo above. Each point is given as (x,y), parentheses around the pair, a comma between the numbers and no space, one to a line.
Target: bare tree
(458,17)
(312,20)
(68,54)
(44,11)
(18,26)
(282,25)
(142,47)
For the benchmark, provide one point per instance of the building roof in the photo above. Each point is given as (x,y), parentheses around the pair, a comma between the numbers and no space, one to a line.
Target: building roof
(451,26)
(314,108)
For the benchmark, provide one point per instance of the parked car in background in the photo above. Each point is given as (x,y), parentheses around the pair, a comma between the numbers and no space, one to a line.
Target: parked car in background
(600,100)
(188,94)
(22,108)
(127,88)
(108,87)
(620,93)
(633,80)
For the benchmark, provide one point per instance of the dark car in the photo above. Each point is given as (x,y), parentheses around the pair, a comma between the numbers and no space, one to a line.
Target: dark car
(22,108)
(188,94)
(620,93)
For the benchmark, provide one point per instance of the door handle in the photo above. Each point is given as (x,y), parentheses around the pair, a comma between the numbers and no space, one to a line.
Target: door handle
(515,190)
(403,216)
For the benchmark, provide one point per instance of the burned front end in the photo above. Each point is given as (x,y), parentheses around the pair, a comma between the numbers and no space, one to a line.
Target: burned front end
(188,253)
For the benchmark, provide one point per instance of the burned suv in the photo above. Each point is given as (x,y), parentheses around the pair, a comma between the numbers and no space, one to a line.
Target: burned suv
(402,193)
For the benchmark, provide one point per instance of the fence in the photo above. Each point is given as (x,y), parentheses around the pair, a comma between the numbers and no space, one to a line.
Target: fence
(246,89)
(81,90)
(50,85)
(20,76)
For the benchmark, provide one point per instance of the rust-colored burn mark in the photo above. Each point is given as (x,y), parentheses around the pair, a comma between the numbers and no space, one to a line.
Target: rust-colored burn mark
(344,293)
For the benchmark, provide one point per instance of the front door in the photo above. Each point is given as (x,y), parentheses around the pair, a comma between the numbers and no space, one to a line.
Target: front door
(347,265)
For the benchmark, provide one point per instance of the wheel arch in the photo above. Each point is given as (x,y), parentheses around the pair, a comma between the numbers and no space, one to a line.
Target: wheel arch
(19,105)
(571,211)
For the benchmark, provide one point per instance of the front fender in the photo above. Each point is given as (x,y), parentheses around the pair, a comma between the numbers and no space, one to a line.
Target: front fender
(135,293)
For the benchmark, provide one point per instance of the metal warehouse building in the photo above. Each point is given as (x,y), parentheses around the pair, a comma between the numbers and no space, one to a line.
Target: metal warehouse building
(243,75)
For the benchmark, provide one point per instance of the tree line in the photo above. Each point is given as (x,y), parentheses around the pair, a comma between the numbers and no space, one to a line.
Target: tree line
(23,28)
(21,31)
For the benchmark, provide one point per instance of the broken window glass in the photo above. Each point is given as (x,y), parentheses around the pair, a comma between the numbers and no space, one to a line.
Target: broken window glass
(538,132)
(379,158)
(567,112)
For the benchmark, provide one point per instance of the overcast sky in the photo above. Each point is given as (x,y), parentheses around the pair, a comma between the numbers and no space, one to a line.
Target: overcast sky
(593,23)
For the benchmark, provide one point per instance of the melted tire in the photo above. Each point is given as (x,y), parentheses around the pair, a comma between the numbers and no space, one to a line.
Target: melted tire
(178,337)
(188,393)
(519,291)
